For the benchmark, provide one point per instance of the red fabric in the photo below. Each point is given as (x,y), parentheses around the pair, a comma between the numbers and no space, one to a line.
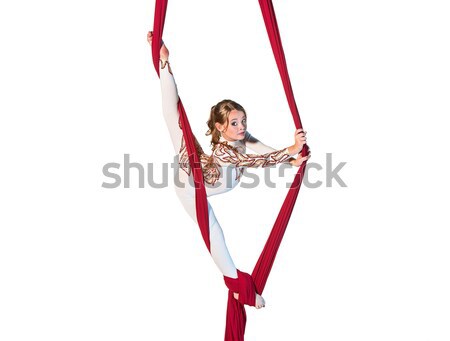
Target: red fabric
(264,265)
(246,285)
(236,316)
(201,202)
(243,285)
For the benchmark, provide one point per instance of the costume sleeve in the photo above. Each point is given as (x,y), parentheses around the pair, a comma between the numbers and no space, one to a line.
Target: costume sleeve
(256,145)
(227,155)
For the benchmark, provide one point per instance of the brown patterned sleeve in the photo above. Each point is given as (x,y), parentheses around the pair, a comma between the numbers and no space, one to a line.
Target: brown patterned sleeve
(226,155)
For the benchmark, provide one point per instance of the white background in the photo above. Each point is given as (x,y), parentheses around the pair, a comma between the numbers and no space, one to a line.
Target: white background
(78,90)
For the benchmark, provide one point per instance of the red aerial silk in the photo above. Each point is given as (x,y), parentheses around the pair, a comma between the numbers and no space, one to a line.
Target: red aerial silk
(245,284)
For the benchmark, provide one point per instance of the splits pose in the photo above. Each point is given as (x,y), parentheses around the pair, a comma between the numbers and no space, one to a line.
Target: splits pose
(222,169)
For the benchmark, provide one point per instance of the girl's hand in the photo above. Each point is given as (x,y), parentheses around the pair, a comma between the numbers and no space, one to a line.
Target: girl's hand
(150,37)
(300,140)
(299,160)
(164,52)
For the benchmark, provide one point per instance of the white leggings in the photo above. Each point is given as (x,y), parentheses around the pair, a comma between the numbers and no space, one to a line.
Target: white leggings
(186,194)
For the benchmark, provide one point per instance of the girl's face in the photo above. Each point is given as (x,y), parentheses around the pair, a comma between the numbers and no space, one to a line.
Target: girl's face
(236,126)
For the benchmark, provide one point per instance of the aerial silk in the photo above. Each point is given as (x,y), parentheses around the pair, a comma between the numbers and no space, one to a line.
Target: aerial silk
(245,284)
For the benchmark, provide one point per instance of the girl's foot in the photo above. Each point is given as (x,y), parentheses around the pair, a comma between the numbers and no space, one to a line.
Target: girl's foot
(259,302)
(163,53)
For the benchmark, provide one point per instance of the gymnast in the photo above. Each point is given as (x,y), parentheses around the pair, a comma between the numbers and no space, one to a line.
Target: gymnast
(222,169)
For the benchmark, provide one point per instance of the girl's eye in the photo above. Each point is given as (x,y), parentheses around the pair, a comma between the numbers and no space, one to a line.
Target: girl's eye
(244,121)
(234,124)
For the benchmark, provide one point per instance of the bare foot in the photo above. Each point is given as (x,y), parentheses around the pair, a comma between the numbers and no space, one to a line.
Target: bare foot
(164,52)
(259,302)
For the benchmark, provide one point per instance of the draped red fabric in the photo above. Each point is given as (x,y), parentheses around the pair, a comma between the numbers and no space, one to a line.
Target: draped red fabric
(245,284)
(201,202)
(264,265)
(200,192)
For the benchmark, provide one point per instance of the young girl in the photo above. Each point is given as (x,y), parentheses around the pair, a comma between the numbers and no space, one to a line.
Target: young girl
(222,169)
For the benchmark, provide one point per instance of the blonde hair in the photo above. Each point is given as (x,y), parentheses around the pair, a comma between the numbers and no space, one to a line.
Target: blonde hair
(219,114)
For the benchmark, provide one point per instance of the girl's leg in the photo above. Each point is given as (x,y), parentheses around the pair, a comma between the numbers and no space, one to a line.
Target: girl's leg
(219,250)
(170,106)
(184,187)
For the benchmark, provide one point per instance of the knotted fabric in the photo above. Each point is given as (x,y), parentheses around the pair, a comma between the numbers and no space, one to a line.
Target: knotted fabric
(236,316)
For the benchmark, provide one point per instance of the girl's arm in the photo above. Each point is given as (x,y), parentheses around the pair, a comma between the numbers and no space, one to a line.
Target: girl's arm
(256,145)
(300,139)
(226,155)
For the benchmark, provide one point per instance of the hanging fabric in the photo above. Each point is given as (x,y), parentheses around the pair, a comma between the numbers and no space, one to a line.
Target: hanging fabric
(245,284)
